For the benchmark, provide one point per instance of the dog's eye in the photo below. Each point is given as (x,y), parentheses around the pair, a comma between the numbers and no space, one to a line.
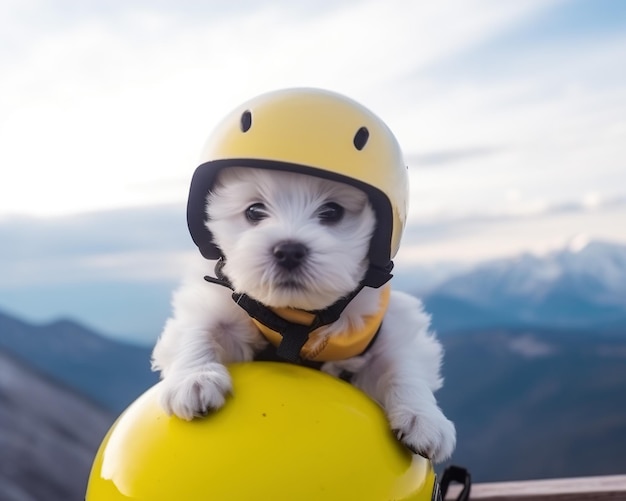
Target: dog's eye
(256,212)
(330,212)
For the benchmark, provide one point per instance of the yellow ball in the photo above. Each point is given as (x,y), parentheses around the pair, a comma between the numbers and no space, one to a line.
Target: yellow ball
(287,433)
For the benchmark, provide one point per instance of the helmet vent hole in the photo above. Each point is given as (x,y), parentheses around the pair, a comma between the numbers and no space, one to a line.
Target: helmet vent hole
(360,138)
(246,121)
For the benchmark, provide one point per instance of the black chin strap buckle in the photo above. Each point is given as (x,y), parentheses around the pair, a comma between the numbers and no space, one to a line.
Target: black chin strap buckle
(220,278)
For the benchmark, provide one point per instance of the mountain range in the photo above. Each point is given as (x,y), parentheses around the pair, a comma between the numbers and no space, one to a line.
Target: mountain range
(49,435)
(109,372)
(528,403)
(535,371)
(531,404)
(577,288)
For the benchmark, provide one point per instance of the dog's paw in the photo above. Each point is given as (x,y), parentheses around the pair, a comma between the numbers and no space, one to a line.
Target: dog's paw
(427,433)
(195,394)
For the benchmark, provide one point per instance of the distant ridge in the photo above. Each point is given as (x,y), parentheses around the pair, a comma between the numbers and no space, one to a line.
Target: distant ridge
(532,404)
(580,287)
(534,367)
(109,372)
(48,435)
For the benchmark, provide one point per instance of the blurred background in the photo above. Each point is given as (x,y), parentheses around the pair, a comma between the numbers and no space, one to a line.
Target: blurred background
(512,117)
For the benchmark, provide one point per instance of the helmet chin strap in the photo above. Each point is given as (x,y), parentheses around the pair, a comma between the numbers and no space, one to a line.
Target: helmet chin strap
(295,335)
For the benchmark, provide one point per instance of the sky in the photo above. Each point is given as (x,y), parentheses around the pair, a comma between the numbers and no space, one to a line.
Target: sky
(511,116)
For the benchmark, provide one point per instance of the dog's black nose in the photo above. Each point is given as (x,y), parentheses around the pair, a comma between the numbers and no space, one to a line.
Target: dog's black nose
(290,254)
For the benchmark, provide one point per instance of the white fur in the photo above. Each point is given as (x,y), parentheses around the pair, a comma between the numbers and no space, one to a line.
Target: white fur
(208,330)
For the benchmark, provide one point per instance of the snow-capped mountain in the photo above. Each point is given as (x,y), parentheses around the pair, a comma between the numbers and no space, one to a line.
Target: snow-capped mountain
(581,286)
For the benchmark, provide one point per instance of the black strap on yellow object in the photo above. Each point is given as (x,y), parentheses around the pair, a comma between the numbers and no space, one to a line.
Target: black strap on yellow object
(456,474)
(294,335)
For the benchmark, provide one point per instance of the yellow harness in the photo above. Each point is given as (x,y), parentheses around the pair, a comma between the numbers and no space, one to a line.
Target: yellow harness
(322,347)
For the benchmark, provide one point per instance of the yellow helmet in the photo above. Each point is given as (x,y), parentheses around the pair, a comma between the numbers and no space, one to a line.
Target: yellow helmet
(313,132)
(289,432)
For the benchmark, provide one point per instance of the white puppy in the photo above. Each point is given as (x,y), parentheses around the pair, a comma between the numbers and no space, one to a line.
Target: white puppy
(299,242)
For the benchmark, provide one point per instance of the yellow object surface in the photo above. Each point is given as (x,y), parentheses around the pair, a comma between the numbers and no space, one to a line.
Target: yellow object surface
(288,433)
(324,348)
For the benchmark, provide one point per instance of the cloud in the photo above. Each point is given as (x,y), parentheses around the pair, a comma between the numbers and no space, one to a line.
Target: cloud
(528,346)
(450,156)
(141,244)
(115,270)
(106,105)
(523,210)
(117,98)
(150,244)
(481,237)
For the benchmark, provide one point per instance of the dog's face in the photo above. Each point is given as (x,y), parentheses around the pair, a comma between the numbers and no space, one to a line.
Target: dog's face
(290,240)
